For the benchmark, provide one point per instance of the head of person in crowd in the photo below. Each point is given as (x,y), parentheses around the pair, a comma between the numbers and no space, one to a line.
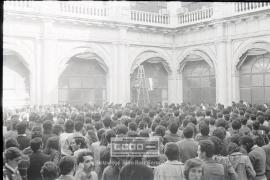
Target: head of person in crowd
(221,123)
(121,130)
(217,144)
(259,140)
(85,161)
(171,151)
(47,127)
(193,169)
(107,121)
(99,133)
(188,132)
(256,125)
(36,144)
(52,144)
(204,128)
(35,134)
(160,131)
(110,134)
(21,127)
(57,129)
(77,143)
(11,142)
(142,125)
(78,126)
(220,132)
(173,127)
(69,126)
(246,142)
(206,149)
(236,124)
(132,126)
(49,171)
(98,125)
(232,148)
(144,133)
(67,166)
(13,156)
(235,138)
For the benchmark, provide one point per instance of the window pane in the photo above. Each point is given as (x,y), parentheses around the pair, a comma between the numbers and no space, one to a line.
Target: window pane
(245,80)
(213,82)
(164,94)
(257,95)
(267,95)
(195,82)
(245,94)
(63,95)
(267,80)
(63,83)
(195,95)
(74,82)
(257,80)
(205,94)
(205,82)
(74,95)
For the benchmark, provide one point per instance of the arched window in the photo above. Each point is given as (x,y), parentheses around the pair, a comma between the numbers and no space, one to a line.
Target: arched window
(83,81)
(16,82)
(159,76)
(255,79)
(199,83)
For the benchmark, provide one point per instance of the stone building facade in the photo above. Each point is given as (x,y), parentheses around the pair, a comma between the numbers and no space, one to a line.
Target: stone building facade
(78,52)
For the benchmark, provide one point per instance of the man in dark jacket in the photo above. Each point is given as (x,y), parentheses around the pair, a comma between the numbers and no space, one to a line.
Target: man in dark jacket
(37,159)
(136,170)
(22,138)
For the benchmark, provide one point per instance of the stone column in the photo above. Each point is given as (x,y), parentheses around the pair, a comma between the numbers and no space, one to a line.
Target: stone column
(48,67)
(221,69)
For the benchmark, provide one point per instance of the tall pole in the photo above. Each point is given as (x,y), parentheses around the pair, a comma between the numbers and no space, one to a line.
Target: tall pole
(142,88)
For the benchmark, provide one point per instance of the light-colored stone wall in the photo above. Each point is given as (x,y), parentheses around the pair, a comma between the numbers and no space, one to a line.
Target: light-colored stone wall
(46,44)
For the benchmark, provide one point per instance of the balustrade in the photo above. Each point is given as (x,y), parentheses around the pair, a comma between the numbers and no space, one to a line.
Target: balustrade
(149,17)
(245,7)
(195,16)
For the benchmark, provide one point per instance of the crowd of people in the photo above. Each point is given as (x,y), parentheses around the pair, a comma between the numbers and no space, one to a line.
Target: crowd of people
(196,142)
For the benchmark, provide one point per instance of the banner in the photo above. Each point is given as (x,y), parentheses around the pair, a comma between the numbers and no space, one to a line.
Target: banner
(135,147)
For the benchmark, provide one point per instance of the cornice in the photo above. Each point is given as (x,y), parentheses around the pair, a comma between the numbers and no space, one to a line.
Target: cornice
(35,16)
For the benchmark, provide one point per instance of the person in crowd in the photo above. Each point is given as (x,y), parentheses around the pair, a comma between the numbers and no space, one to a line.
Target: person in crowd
(52,149)
(22,138)
(266,148)
(258,159)
(85,170)
(12,157)
(112,171)
(187,147)
(193,169)
(172,168)
(37,159)
(64,137)
(77,145)
(67,167)
(244,130)
(172,136)
(229,171)
(211,169)
(135,169)
(49,171)
(204,131)
(47,131)
(240,162)
(96,148)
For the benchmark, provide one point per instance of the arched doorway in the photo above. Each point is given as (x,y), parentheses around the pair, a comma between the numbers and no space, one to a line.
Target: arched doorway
(83,81)
(159,75)
(199,83)
(16,80)
(254,79)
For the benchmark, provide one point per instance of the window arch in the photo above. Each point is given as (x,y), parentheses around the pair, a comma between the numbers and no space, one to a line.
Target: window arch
(199,83)
(255,79)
